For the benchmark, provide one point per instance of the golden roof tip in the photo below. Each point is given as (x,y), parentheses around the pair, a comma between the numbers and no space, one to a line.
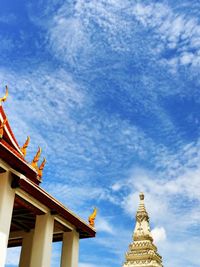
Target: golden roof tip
(40,169)
(3,99)
(25,145)
(36,158)
(92,217)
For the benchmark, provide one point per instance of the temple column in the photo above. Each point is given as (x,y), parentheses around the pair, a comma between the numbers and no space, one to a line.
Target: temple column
(7,196)
(42,241)
(70,249)
(25,256)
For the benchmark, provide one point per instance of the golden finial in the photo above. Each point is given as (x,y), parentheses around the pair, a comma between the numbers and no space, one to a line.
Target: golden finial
(25,145)
(92,217)
(2,124)
(36,159)
(40,169)
(141,196)
(3,99)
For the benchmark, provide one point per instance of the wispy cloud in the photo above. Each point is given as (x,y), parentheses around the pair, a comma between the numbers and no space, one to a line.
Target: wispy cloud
(178,33)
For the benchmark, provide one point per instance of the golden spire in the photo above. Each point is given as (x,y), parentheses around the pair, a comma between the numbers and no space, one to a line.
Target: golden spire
(3,99)
(40,169)
(25,145)
(2,124)
(36,159)
(142,228)
(92,217)
(142,251)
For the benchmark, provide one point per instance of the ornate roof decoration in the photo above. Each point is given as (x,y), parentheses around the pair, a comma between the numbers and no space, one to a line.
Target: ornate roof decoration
(25,145)
(9,148)
(34,164)
(92,218)
(142,252)
(36,158)
(3,99)
(2,124)
(40,169)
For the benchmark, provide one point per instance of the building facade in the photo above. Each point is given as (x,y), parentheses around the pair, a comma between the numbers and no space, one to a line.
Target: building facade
(142,252)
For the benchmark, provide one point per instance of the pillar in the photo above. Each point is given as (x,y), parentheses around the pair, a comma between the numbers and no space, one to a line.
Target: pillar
(25,256)
(7,196)
(42,241)
(70,249)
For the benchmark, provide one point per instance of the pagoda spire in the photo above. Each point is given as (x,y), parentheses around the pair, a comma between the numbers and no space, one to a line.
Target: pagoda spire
(142,228)
(142,252)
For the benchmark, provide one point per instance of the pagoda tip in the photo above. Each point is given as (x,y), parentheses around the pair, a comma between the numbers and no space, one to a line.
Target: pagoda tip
(141,196)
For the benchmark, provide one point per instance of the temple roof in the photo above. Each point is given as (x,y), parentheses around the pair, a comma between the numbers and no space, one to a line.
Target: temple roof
(25,177)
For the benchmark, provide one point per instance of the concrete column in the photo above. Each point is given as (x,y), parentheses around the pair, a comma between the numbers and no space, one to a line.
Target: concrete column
(25,256)
(70,249)
(7,196)
(42,241)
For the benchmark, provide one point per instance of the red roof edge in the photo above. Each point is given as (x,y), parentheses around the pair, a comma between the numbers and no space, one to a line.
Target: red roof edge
(17,163)
(9,128)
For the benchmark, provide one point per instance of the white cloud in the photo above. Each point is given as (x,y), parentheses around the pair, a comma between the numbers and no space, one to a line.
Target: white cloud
(186,58)
(174,30)
(74,39)
(159,234)
(103,225)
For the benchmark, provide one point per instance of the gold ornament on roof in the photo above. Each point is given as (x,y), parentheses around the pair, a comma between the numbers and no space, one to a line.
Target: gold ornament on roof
(40,169)
(2,124)
(36,159)
(3,99)
(25,145)
(92,217)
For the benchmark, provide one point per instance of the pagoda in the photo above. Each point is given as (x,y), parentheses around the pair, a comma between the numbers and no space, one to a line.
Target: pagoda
(142,252)
(29,216)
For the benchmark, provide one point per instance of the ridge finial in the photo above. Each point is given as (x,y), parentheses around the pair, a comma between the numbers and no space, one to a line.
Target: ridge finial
(3,99)
(40,169)
(36,159)
(92,217)
(25,145)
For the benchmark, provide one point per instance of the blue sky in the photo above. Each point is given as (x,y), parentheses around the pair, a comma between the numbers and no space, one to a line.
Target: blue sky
(110,90)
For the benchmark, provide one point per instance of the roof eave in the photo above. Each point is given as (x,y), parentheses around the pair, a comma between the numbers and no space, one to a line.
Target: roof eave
(55,206)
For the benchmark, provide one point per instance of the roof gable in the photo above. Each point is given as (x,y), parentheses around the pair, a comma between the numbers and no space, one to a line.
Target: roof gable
(10,150)
(8,135)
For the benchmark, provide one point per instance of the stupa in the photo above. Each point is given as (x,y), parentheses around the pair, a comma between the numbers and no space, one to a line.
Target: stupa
(142,252)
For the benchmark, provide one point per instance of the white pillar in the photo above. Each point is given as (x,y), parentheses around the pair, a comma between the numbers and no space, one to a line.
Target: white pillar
(70,249)
(25,256)
(7,196)
(42,241)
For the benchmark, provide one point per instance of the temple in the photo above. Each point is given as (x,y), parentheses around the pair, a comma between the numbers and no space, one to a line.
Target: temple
(142,252)
(29,216)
